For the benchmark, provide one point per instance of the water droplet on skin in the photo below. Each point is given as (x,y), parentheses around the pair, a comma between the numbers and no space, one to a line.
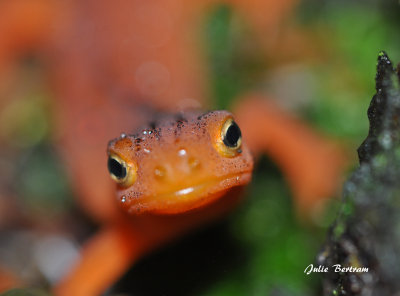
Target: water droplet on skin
(146,150)
(123,199)
(123,136)
(182,152)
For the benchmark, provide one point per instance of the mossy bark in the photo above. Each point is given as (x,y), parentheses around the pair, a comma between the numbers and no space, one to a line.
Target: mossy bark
(366,232)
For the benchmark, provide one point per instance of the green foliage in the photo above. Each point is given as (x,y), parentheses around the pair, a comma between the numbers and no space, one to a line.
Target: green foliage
(357,32)
(233,57)
(42,184)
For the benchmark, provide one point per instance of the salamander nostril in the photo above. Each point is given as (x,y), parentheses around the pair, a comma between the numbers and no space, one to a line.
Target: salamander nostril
(194,163)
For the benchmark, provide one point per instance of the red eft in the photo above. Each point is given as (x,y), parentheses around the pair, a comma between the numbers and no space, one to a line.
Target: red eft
(187,169)
(178,172)
(112,64)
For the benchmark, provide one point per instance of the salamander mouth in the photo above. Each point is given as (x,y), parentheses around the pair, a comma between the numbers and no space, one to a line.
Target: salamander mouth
(191,197)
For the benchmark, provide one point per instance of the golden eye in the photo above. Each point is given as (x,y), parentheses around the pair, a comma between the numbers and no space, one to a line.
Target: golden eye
(122,172)
(230,139)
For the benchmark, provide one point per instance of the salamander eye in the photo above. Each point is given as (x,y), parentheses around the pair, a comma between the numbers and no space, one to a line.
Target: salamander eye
(230,139)
(120,171)
(231,135)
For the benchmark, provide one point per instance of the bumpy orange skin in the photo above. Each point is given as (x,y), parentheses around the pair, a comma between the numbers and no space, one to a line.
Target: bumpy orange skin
(178,164)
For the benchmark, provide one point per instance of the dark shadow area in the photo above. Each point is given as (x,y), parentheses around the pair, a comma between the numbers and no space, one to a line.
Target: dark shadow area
(187,266)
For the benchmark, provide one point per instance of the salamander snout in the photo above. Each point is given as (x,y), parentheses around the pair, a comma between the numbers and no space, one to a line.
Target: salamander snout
(178,167)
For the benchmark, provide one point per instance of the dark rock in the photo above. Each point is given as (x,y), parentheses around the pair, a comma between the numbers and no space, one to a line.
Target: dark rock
(366,232)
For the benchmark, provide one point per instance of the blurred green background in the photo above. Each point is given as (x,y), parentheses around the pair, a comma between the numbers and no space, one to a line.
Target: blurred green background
(262,249)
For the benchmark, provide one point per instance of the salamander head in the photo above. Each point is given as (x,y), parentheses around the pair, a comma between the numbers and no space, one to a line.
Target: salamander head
(179,163)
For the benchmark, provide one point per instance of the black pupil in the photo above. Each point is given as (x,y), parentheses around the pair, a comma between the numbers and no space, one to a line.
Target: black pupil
(115,168)
(232,135)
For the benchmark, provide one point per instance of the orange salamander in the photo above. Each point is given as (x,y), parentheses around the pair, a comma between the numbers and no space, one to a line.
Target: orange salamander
(109,63)
(179,164)
(176,173)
